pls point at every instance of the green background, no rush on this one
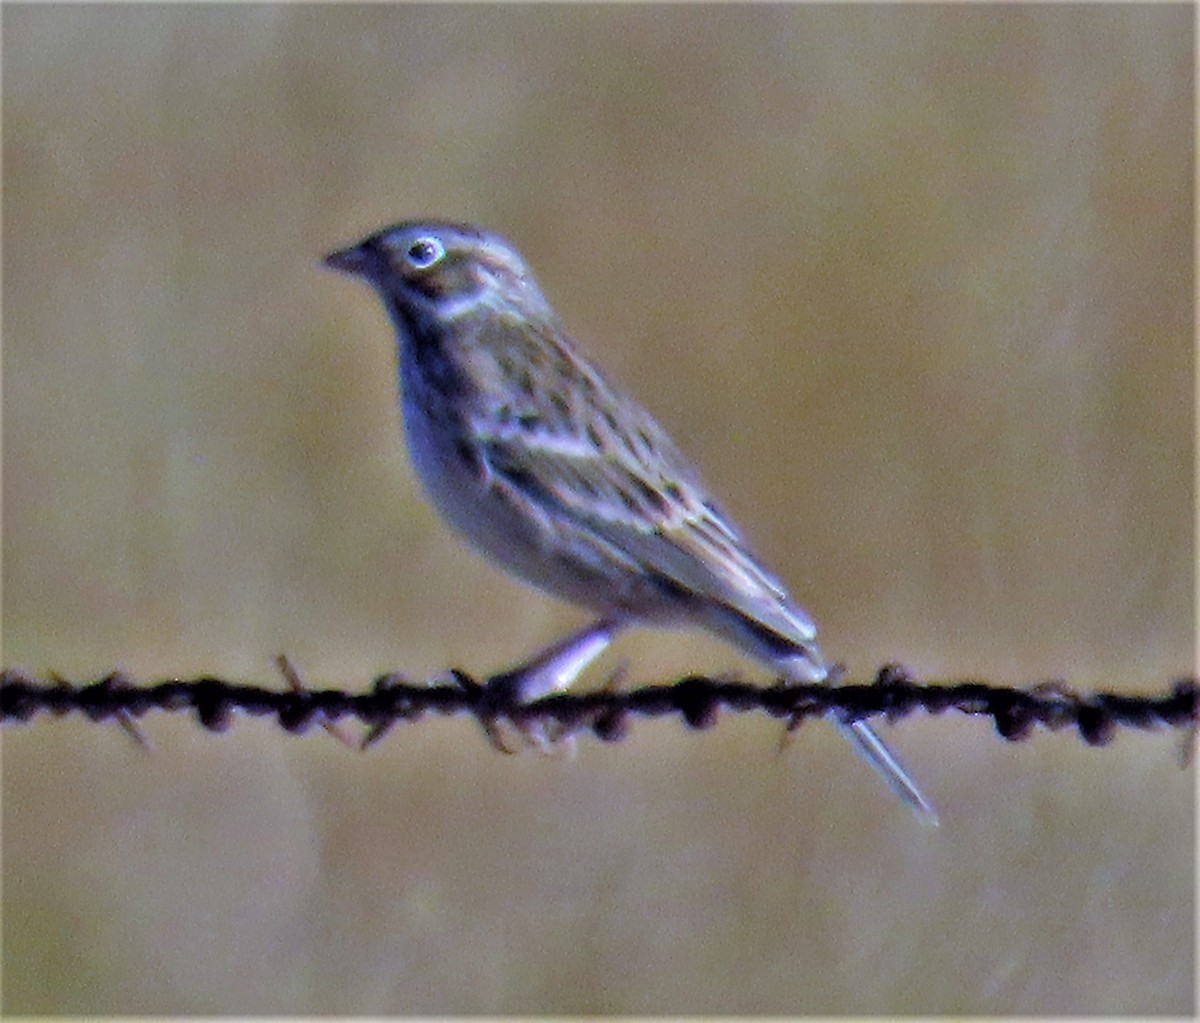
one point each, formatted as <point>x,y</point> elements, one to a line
<point>912,285</point>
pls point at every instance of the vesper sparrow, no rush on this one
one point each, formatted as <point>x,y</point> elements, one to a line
<point>561,477</point>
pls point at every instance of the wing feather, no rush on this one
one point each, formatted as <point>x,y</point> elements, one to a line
<point>606,477</point>
<point>650,511</point>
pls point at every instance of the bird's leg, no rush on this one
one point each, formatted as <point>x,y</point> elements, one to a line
<point>558,666</point>
<point>554,669</point>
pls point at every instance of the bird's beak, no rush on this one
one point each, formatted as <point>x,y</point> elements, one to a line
<point>354,260</point>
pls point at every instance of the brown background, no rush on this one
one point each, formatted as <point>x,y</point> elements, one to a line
<point>913,285</point>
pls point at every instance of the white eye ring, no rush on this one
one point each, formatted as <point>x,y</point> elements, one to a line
<point>424,252</point>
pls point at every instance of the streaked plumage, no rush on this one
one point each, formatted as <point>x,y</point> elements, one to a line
<point>557,474</point>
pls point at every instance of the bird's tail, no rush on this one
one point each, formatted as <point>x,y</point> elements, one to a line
<point>876,753</point>
<point>810,667</point>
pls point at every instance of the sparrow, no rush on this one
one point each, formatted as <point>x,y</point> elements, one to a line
<point>561,477</point>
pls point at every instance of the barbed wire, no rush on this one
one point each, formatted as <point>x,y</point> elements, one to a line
<point>392,700</point>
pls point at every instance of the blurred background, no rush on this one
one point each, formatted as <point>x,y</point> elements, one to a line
<point>913,285</point>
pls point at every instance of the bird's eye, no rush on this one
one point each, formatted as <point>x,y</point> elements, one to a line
<point>424,252</point>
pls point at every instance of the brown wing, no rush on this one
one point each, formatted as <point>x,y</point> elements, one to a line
<point>603,472</point>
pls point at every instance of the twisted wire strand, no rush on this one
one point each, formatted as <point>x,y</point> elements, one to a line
<point>392,700</point>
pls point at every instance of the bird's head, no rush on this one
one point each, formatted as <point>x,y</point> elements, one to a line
<point>443,268</point>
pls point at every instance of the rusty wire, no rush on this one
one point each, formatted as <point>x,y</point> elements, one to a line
<point>698,701</point>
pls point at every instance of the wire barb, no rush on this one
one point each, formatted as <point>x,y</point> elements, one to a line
<point>292,677</point>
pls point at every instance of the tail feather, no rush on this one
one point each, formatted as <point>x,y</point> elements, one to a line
<point>875,752</point>
<point>808,666</point>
